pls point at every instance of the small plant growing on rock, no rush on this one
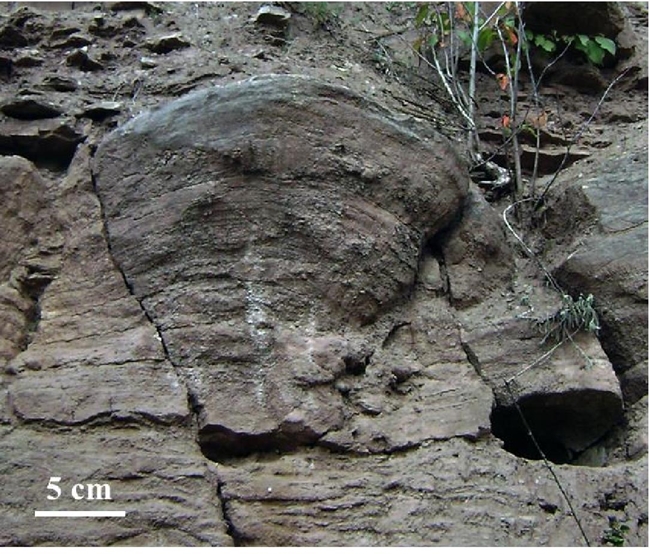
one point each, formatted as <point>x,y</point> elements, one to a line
<point>496,39</point>
<point>573,316</point>
<point>615,535</point>
<point>323,14</point>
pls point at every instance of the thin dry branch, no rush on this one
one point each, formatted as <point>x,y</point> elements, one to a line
<point>528,251</point>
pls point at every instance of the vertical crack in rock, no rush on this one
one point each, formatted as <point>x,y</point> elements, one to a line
<point>191,400</point>
<point>474,361</point>
<point>231,530</point>
<point>444,274</point>
<point>472,358</point>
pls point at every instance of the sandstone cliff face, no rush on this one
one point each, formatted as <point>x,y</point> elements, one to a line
<point>277,313</point>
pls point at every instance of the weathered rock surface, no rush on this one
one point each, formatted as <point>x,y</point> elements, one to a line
<point>443,494</point>
<point>22,198</point>
<point>156,476</point>
<point>60,84</point>
<point>101,110</point>
<point>167,43</point>
<point>612,261</point>
<point>30,108</point>
<point>93,395</point>
<point>334,359</point>
<point>272,15</point>
<point>477,258</point>
<point>21,28</point>
<point>50,143</point>
<point>84,61</point>
<point>314,244</point>
<point>30,252</point>
<point>570,396</point>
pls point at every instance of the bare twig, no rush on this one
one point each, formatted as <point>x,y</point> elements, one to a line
<point>513,85</point>
<point>538,361</point>
<point>537,82</point>
<point>530,253</point>
<point>472,76</point>
<point>488,19</point>
<point>462,110</point>
<point>380,36</point>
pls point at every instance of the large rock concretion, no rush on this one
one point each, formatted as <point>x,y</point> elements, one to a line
<point>258,220</point>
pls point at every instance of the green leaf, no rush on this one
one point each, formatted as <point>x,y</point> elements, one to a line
<point>580,48</point>
<point>530,35</point>
<point>549,46</point>
<point>445,22</point>
<point>595,53</point>
<point>606,44</point>
<point>485,39</point>
<point>470,7</point>
<point>509,22</point>
<point>545,43</point>
<point>583,40</point>
<point>422,14</point>
<point>464,36</point>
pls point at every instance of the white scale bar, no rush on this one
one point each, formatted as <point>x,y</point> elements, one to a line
<point>100,513</point>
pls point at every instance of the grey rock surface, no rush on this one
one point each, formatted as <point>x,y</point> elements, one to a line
<point>274,313</point>
<point>478,259</point>
<point>449,493</point>
<point>91,396</point>
<point>611,262</point>
<point>30,108</point>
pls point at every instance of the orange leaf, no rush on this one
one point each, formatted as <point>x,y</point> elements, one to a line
<point>505,121</point>
<point>503,81</point>
<point>461,12</point>
<point>512,36</point>
<point>539,121</point>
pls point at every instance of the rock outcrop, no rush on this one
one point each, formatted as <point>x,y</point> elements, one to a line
<point>448,493</point>
<point>291,231</point>
<point>91,397</point>
<point>611,260</point>
<point>274,312</point>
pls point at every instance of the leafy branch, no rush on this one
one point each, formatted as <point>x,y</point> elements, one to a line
<point>594,48</point>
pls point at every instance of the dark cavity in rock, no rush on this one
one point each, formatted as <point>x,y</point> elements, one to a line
<point>563,425</point>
